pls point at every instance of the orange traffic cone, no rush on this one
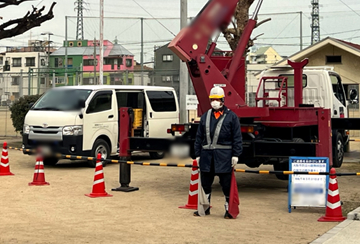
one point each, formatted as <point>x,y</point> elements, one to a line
<point>333,211</point>
<point>194,188</point>
<point>98,189</point>
<point>39,175</point>
<point>4,165</point>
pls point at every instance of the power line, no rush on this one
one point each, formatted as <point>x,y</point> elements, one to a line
<point>155,18</point>
<point>350,8</point>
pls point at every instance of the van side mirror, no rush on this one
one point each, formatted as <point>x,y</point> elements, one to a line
<point>353,96</point>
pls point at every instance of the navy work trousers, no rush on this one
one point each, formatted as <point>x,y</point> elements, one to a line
<point>207,179</point>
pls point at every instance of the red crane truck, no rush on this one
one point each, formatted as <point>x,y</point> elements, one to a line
<point>271,134</point>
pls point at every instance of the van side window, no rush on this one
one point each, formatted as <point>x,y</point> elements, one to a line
<point>162,101</point>
<point>130,99</point>
<point>99,103</point>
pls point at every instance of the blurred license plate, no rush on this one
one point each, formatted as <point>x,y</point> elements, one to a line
<point>180,150</point>
<point>45,150</point>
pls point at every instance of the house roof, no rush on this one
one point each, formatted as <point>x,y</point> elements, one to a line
<point>344,45</point>
<point>117,50</point>
<point>261,51</point>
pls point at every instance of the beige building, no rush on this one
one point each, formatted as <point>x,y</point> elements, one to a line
<point>264,55</point>
<point>343,56</point>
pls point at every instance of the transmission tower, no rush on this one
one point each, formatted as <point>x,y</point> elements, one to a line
<point>315,22</point>
<point>79,7</point>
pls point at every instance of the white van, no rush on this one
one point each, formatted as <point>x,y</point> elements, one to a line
<point>83,120</point>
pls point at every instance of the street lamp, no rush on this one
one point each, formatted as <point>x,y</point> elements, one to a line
<point>48,66</point>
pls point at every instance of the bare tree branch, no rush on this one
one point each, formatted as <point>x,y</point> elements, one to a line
<point>241,16</point>
<point>262,22</point>
<point>11,2</point>
<point>29,21</point>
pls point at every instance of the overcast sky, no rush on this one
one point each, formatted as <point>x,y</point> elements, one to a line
<point>339,19</point>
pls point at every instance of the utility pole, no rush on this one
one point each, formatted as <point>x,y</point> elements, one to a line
<point>183,75</point>
<point>48,60</point>
<point>315,22</point>
<point>101,80</point>
<point>95,82</point>
<point>66,47</point>
<point>301,33</point>
<point>142,51</point>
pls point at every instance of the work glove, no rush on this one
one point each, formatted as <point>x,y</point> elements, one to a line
<point>198,160</point>
<point>234,161</point>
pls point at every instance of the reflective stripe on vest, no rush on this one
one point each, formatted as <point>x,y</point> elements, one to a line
<point>214,145</point>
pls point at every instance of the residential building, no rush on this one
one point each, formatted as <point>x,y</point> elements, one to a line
<point>166,68</point>
<point>343,56</point>
<point>147,74</point>
<point>17,65</point>
<point>83,64</point>
<point>264,55</point>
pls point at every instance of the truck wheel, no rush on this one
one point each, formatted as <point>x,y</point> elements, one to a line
<point>338,151</point>
<point>282,165</point>
<point>157,155</point>
<point>102,147</point>
<point>50,161</point>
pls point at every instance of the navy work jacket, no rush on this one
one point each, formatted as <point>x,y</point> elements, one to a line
<point>230,134</point>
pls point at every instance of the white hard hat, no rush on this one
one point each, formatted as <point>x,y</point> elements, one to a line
<point>217,92</point>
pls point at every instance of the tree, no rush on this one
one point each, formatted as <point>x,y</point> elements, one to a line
<point>30,20</point>
<point>19,109</point>
<point>241,16</point>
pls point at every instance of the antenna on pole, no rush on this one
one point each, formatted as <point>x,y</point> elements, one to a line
<point>79,7</point>
<point>315,22</point>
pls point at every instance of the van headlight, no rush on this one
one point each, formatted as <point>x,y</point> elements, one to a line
<point>74,130</point>
<point>26,129</point>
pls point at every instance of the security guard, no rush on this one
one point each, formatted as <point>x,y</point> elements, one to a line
<point>218,145</point>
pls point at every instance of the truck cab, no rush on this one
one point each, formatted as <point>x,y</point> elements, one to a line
<point>322,87</point>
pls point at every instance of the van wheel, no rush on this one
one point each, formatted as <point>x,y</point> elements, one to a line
<point>102,147</point>
<point>50,161</point>
<point>338,151</point>
<point>157,155</point>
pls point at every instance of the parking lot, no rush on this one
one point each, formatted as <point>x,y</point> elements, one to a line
<point>60,213</point>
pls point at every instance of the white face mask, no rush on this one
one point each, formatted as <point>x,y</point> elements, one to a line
<point>216,105</point>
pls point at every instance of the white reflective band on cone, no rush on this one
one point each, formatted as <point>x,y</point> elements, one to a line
<point>193,182</point>
<point>193,193</point>
<point>333,205</point>
<point>99,172</point>
<point>39,171</point>
<point>332,181</point>
<point>98,181</point>
<point>333,193</point>
<point>4,165</point>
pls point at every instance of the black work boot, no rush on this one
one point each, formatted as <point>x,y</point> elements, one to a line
<point>207,211</point>
<point>227,215</point>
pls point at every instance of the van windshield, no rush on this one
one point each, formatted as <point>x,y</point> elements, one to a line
<point>61,99</point>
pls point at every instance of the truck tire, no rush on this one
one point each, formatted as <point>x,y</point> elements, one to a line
<point>282,165</point>
<point>338,151</point>
<point>157,155</point>
<point>100,146</point>
<point>50,161</point>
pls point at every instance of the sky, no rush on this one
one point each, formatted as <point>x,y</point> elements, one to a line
<point>338,18</point>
